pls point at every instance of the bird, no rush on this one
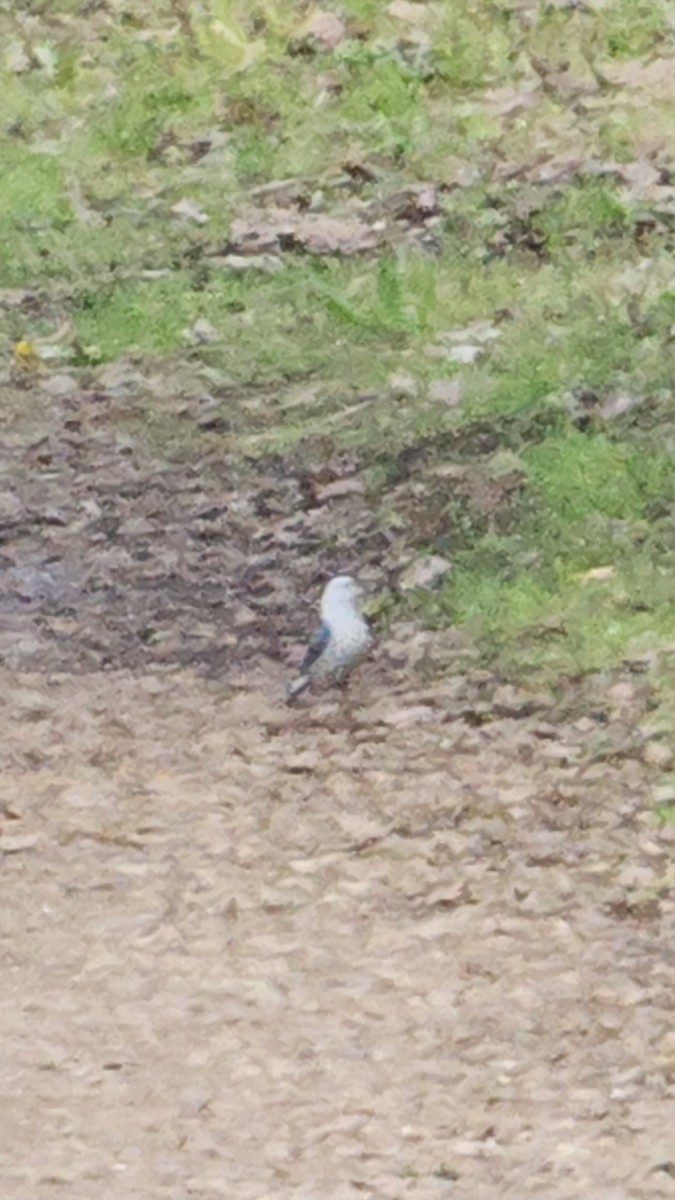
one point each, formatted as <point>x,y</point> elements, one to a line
<point>343,637</point>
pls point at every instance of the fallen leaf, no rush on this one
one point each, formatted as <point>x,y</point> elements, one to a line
<point>405,10</point>
<point>16,297</point>
<point>269,264</point>
<point>285,229</point>
<point>339,488</point>
<point>409,715</point>
<point>190,211</point>
<point>425,573</point>
<point>322,29</point>
<point>27,358</point>
<point>657,754</point>
<point>655,77</point>
<point>59,385</point>
<point>17,843</point>
<point>304,763</point>
<point>597,575</point>
<point>202,333</point>
<point>464,354</point>
<point>447,391</point>
<point>506,100</point>
<point>618,404</point>
<point>403,386</point>
<point>16,59</point>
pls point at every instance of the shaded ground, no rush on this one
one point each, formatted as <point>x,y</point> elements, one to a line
<point>266,954</point>
<point>113,556</point>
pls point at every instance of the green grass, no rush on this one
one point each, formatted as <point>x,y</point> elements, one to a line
<point>510,116</point>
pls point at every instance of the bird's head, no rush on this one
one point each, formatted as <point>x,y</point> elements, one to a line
<point>341,592</point>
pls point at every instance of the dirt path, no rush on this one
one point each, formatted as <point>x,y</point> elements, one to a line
<point>258,954</point>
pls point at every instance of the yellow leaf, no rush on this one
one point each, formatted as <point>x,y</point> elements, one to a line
<point>26,356</point>
<point>224,39</point>
<point>597,575</point>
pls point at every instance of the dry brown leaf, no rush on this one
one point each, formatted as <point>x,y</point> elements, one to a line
<point>447,391</point>
<point>17,843</point>
<point>597,575</point>
<point>339,488</point>
<point>279,229</point>
<point>425,572</point>
<point>405,10</point>
<point>402,385</point>
<point>189,210</point>
<point>323,29</point>
<point>16,297</point>
<point>654,77</point>
<point>617,404</point>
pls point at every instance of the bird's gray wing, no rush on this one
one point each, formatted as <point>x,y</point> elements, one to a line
<point>315,648</point>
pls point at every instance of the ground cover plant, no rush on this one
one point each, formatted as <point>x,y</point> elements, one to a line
<point>463,213</point>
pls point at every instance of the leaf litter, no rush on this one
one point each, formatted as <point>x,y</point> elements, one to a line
<point>417,931</point>
<point>412,939</point>
<point>423,938</point>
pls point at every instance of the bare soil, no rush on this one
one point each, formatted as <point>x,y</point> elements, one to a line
<point>417,941</point>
